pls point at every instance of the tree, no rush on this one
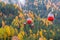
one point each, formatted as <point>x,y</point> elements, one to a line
<point>9,12</point>
<point>9,9</point>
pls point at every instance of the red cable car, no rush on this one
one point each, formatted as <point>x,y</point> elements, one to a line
<point>29,21</point>
<point>50,17</point>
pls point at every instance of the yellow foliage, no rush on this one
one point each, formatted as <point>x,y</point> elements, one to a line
<point>38,18</point>
<point>20,35</point>
<point>15,5</point>
<point>37,34</point>
<point>34,36</point>
<point>42,38</point>
<point>41,33</point>
<point>16,31</point>
<point>22,27</point>
<point>31,15</point>
<point>30,31</point>
<point>44,30</point>
<point>45,38</point>
<point>12,31</point>
<point>20,9</point>
<point>22,21</point>
<point>15,21</point>
<point>52,32</point>
<point>5,36</point>
<point>3,4</point>
<point>3,23</point>
<point>58,30</point>
<point>48,6</point>
<point>7,29</point>
<point>21,15</point>
<point>46,22</point>
<point>2,32</point>
<point>31,35</point>
<point>50,39</point>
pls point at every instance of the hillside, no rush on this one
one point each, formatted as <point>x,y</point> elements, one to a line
<point>30,21</point>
